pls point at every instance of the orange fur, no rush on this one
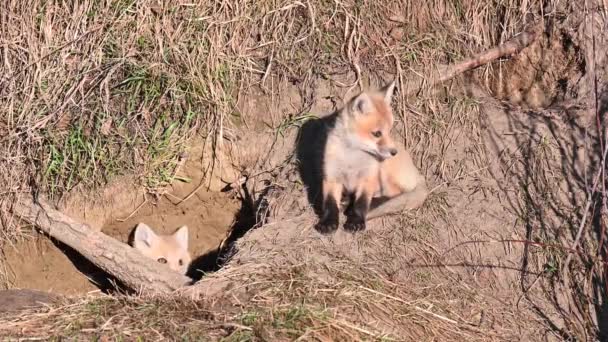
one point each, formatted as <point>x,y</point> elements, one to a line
<point>362,160</point>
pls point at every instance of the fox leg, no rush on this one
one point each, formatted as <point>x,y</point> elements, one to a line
<point>405,200</point>
<point>330,211</point>
<point>359,207</point>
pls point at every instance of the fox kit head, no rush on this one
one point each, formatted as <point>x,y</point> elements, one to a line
<point>369,119</point>
<point>171,250</point>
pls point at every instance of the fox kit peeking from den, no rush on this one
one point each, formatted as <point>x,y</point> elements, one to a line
<point>363,162</point>
<point>170,250</point>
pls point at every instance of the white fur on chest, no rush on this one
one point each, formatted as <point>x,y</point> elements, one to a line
<point>349,166</point>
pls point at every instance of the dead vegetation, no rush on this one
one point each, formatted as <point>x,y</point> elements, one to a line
<point>97,89</point>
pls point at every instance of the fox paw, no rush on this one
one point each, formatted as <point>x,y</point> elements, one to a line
<point>354,224</point>
<point>326,227</point>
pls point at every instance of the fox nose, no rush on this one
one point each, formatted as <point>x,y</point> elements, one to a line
<point>393,151</point>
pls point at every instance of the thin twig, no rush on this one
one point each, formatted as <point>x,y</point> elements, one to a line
<point>61,47</point>
<point>136,209</point>
<point>443,318</point>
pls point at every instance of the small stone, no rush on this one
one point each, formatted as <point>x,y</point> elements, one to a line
<point>397,33</point>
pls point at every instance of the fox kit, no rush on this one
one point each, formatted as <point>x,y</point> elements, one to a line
<point>362,161</point>
<point>171,250</point>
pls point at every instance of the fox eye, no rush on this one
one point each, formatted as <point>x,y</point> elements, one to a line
<point>377,134</point>
<point>180,262</point>
<point>162,260</point>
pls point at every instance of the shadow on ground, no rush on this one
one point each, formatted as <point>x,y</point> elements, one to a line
<point>541,156</point>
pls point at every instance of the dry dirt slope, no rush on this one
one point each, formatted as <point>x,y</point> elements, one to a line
<point>405,277</point>
<point>444,272</point>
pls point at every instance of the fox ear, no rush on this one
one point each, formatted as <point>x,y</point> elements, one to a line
<point>144,236</point>
<point>362,104</point>
<point>181,236</point>
<point>388,91</point>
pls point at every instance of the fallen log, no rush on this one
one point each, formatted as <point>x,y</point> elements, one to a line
<point>124,262</point>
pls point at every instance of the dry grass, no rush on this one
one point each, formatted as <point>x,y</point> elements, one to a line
<point>102,88</point>
<point>355,303</point>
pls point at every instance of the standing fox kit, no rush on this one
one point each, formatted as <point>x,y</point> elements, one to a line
<point>171,250</point>
<point>362,161</point>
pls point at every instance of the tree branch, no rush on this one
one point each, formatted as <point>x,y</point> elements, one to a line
<point>133,269</point>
